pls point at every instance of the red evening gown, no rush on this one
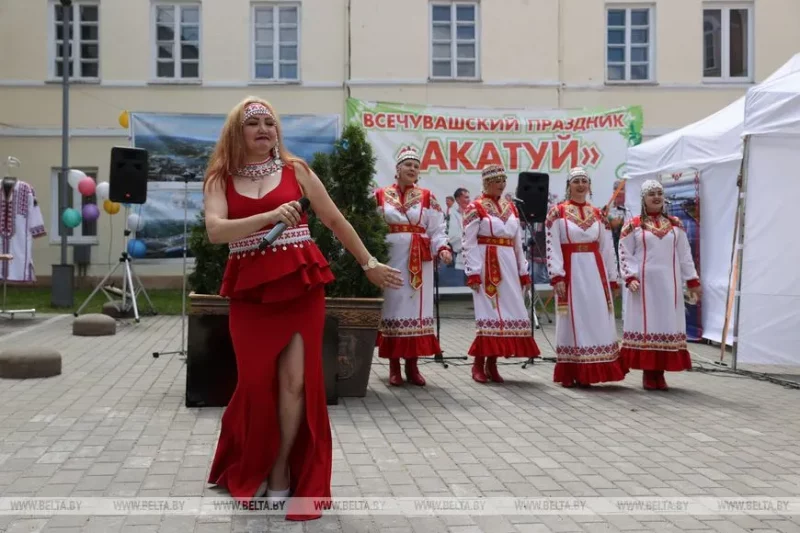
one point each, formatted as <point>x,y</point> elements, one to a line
<point>274,294</point>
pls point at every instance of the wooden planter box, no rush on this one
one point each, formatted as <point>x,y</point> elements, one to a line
<point>351,327</point>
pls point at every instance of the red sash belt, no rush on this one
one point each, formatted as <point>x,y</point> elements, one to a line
<point>419,252</point>
<point>491,267</point>
<point>585,247</point>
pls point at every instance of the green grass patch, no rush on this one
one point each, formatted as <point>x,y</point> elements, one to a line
<point>165,301</point>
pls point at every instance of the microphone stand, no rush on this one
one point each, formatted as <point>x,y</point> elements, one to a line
<point>439,357</point>
<point>182,352</point>
<point>534,294</point>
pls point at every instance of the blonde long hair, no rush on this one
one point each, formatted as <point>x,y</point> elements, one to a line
<point>229,152</point>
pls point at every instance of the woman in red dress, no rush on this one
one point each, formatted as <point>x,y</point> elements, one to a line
<point>276,437</point>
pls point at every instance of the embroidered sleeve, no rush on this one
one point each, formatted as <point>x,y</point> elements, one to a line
<point>435,204</point>
<point>627,229</point>
<point>436,227</point>
<point>607,251</point>
<point>470,214</point>
<point>688,269</point>
<point>552,216</point>
<point>555,258</point>
<point>469,243</point>
<point>522,261</point>
<point>628,263</point>
<point>35,219</point>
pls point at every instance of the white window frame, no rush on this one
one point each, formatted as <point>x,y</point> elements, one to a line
<point>651,44</point>
<point>454,42</point>
<point>176,53</point>
<point>725,42</point>
<point>276,42</point>
<point>77,236</point>
<point>75,41</point>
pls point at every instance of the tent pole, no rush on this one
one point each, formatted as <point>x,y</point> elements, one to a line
<point>740,248</point>
<point>733,276</point>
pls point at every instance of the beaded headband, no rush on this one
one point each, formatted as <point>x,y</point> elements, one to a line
<point>493,172</point>
<point>408,152</point>
<point>255,109</point>
<point>578,172</point>
<point>651,185</point>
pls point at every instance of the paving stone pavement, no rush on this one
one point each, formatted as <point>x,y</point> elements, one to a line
<point>114,424</point>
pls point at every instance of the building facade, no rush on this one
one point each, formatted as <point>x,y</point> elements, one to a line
<point>679,59</point>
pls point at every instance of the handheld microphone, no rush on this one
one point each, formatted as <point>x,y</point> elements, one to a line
<point>280,227</point>
<point>668,202</point>
<point>514,198</point>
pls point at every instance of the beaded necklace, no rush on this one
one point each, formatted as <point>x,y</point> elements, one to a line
<point>257,171</point>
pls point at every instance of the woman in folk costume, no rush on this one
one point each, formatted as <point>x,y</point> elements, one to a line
<point>416,232</point>
<point>583,271</point>
<point>655,259</point>
<point>497,273</point>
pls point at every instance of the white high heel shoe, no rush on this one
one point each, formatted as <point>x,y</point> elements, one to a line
<point>277,499</point>
<point>262,490</point>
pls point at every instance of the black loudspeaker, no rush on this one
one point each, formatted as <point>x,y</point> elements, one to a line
<point>127,178</point>
<point>533,188</point>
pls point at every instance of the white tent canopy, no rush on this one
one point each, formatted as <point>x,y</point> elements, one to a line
<point>774,107</point>
<point>712,140</point>
<point>769,315</point>
<point>712,148</point>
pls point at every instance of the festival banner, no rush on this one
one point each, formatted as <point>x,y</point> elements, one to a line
<point>456,143</point>
<point>181,143</point>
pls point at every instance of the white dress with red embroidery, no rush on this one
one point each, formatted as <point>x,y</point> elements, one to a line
<point>493,257</point>
<point>656,252</point>
<point>417,232</point>
<point>20,222</point>
<point>580,252</point>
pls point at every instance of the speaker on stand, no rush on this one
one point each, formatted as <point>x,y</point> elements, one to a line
<point>533,191</point>
<point>127,178</point>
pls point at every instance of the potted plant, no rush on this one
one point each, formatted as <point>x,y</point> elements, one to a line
<point>210,360</point>
<point>348,175</point>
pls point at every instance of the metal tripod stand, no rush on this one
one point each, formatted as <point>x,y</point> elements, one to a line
<point>439,357</point>
<point>129,289</point>
<point>182,352</point>
<point>534,294</point>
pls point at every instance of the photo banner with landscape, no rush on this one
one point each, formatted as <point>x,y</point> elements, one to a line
<point>456,143</point>
<point>180,143</point>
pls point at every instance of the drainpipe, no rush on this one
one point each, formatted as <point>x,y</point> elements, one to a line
<point>560,22</point>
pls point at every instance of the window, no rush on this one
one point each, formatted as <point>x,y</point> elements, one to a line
<point>84,37</point>
<point>727,41</point>
<point>177,41</point>
<point>454,40</point>
<point>629,44</point>
<point>86,232</point>
<point>276,42</point>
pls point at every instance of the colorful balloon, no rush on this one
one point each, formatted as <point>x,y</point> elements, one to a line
<point>102,191</point>
<point>71,217</point>
<point>90,212</point>
<point>135,222</point>
<point>87,186</point>
<point>74,177</point>
<point>112,208</point>
<point>136,248</point>
<point>123,119</point>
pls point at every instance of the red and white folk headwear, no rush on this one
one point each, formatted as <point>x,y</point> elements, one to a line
<point>648,187</point>
<point>406,153</point>
<point>578,172</point>
<point>575,173</point>
<point>254,109</point>
<point>492,173</point>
